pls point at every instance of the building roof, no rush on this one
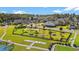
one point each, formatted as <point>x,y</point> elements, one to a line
<point>72,27</point>
<point>49,23</point>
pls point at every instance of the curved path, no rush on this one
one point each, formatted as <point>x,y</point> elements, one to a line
<point>53,48</point>
<point>73,39</point>
<point>30,46</point>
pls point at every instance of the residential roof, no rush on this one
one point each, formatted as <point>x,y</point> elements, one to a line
<point>49,23</point>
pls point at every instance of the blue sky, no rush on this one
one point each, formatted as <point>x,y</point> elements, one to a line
<point>39,10</point>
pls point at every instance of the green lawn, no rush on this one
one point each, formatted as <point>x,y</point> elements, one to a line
<point>1,31</point>
<point>44,32</point>
<point>77,40</point>
<point>64,48</point>
<point>20,39</point>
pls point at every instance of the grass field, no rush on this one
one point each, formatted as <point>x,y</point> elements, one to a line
<point>77,39</point>
<point>64,48</point>
<point>42,32</point>
<point>1,31</point>
<point>20,39</point>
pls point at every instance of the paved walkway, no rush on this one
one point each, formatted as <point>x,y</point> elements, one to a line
<point>28,46</point>
<point>3,35</point>
<point>31,45</point>
<point>5,27</point>
<point>57,29</point>
<point>53,48</point>
<point>34,42</point>
<point>25,45</point>
<point>73,39</point>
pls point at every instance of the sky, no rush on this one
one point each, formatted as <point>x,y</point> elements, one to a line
<point>39,10</point>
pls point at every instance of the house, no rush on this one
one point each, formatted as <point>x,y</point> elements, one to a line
<point>24,21</point>
<point>45,20</point>
<point>61,21</point>
<point>53,23</point>
<point>18,21</point>
<point>78,22</point>
<point>49,24</point>
<point>72,27</point>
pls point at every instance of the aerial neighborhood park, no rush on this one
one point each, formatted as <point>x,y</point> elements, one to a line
<point>39,32</point>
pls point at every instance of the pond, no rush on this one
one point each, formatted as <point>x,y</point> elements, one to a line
<point>5,48</point>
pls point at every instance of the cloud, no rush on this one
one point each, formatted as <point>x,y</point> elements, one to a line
<point>57,11</point>
<point>3,12</point>
<point>69,8</point>
<point>77,8</point>
<point>19,12</point>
